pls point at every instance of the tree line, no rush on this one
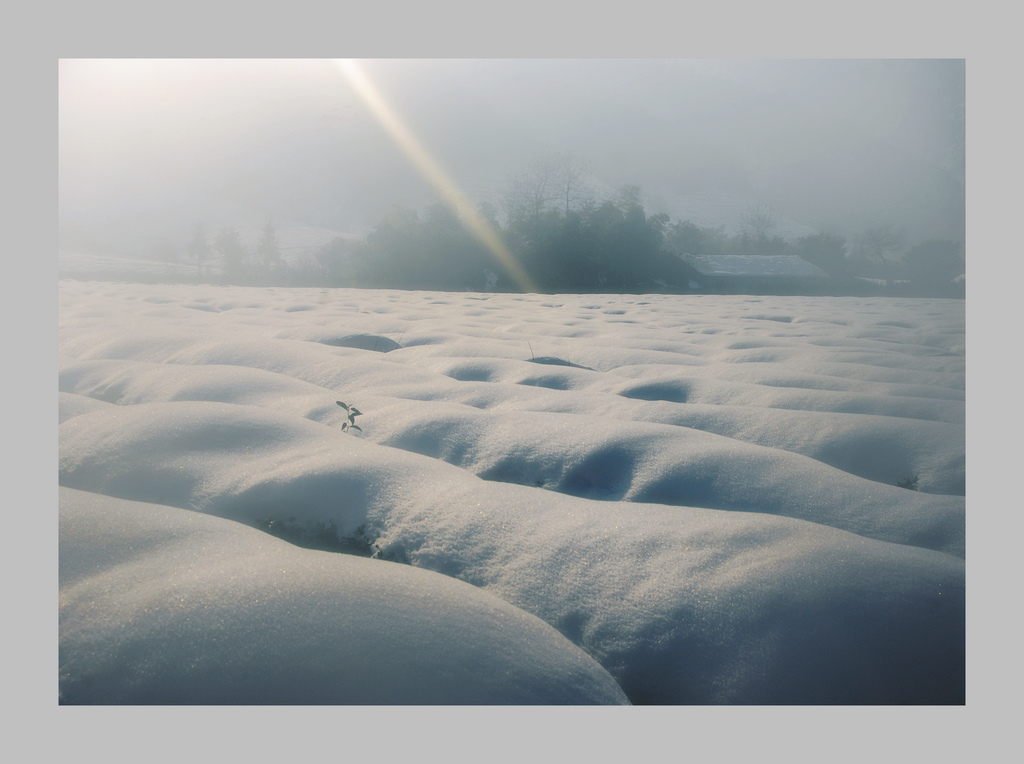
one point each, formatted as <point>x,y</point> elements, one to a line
<point>568,240</point>
<point>227,257</point>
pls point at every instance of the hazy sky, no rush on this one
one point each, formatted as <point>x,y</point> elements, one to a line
<point>842,145</point>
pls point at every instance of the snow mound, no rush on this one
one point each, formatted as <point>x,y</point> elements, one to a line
<point>364,342</point>
<point>680,604</point>
<point>704,498</point>
<point>167,606</point>
<point>240,461</point>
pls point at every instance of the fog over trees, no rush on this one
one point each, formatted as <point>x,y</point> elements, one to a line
<point>595,173</point>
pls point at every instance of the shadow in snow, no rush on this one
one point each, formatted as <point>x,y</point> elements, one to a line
<point>375,342</point>
<point>672,392</point>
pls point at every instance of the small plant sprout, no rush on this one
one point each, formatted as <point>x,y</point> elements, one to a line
<point>353,412</point>
<point>910,482</point>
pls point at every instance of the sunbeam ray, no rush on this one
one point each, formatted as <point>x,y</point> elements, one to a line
<point>434,173</point>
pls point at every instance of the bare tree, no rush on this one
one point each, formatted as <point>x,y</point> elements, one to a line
<point>512,195</point>
<point>876,242</point>
<point>552,179</point>
<point>529,190</point>
<point>759,221</point>
<point>570,178</point>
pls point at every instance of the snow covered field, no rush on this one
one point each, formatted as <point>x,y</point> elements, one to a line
<point>553,498</point>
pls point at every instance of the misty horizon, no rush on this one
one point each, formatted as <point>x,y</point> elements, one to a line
<point>148,148</point>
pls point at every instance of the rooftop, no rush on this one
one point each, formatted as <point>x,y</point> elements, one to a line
<point>754,265</point>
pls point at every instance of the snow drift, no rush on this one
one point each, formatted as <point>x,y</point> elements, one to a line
<point>163,605</point>
<point>699,494</point>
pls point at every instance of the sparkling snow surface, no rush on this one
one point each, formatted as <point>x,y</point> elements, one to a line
<point>691,498</point>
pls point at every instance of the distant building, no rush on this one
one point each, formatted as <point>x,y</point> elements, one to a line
<point>756,274</point>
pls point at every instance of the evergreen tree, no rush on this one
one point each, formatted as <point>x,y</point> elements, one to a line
<point>684,238</point>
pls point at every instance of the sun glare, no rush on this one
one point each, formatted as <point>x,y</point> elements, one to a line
<point>434,174</point>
